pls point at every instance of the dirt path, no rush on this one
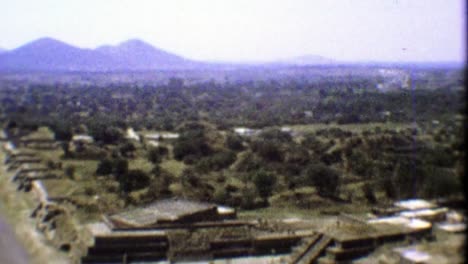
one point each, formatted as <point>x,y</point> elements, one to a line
<point>11,251</point>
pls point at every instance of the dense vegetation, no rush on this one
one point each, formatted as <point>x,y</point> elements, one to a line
<point>408,142</point>
<point>351,99</point>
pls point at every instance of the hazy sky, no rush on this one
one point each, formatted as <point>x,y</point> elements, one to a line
<point>378,30</point>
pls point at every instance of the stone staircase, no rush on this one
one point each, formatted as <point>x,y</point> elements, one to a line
<point>313,248</point>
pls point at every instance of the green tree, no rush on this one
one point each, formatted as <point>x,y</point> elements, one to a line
<point>264,183</point>
<point>440,182</point>
<point>133,180</point>
<point>217,161</point>
<point>369,193</point>
<point>268,150</point>
<point>120,167</point>
<point>105,133</point>
<point>155,155</point>
<point>234,142</point>
<point>326,180</point>
<point>248,200</point>
<point>62,131</point>
<point>105,167</point>
<point>193,144</point>
<point>127,148</point>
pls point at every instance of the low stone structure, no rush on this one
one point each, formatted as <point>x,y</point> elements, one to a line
<point>109,246</point>
<point>19,161</point>
<point>15,154</point>
<point>170,211</point>
<point>243,131</point>
<point>161,135</point>
<point>85,139</point>
<point>38,143</point>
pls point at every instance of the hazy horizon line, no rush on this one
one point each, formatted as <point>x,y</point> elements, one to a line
<point>277,60</point>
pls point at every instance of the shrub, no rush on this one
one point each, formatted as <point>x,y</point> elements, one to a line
<point>216,162</point>
<point>234,142</point>
<point>105,167</point>
<point>133,180</point>
<point>120,166</point>
<point>326,180</point>
<point>126,148</point>
<point>155,155</point>
<point>264,183</point>
<point>268,150</point>
<point>440,182</point>
<point>221,196</point>
<point>191,144</point>
<point>369,193</point>
<point>248,199</point>
<point>70,171</point>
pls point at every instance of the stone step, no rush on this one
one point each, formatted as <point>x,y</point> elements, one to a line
<point>299,251</point>
<point>315,251</point>
<point>122,258</point>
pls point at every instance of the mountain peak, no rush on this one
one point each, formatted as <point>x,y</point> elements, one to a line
<point>46,41</point>
<point>135,41</point>
<point>135,45</point>
<point>141,55</point>
<point>51,47</point>
<point>48,54</point>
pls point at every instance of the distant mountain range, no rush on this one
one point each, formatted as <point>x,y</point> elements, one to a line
<point>47,54</point>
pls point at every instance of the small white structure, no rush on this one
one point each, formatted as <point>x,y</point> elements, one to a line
<point>412,255</point>
<point>414,204</point>
<point>162,135</point>
<point>452,228</point>
<point>393,220</point>
<point>418,224</point>
<point>9,147</point>
<point>132,135</point>
<point>243,131</point>
<point>308,113</point>
<point>402,221</point>
<point>385,113</point>
<point>83,138</point>
<point>426,214</point>
<point>226,212</point>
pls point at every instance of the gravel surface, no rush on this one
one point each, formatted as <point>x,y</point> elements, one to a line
<point>11,251</point>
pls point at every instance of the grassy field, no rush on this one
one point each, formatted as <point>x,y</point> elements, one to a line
<point>140,163</point>
<point>283,212</point>
<point>173,166</point>
<point>84,169</point>
<point>355,128</point>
